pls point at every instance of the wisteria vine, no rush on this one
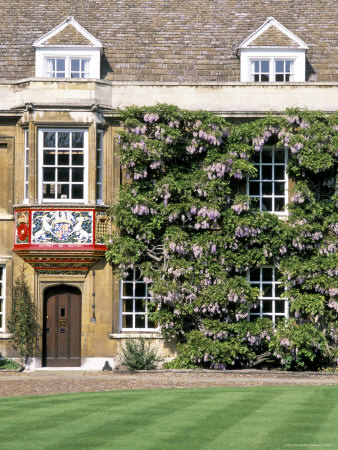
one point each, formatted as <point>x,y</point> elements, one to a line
<point>184,217</point>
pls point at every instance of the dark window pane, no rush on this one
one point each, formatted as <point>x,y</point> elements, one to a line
<point>77,191</point>
<point>49,139</point>
<point>267,307</point>
<point>267,290</point>
<point>256,78</point>
<point>254,188</point>
<point>77,174</point>
<point>287,77</point>
<point>279,290</point>
<point>127,321</point>
<point>279,204</point>
<point>127,289</point>
<point>63,191</point>
<point>279,66</point>
<point>279,188</point>
<point>140,290</point>
<point>63,139</point>
<point>137,274</point>
<point>48,191</point>
<point>77,139</point>
<point>151,324</point>
<point>279,77</point>
<point>279,156</point>
<point>267,156</point>
<point>266,204</point>
<point>267,188</point>
<point>48,174</point>
<point>266,173</point>
<point>267,273</point>
<point>128,305</point>
<point>254,275</point>
<point>60,65</point>
<point>264,77</point>
<point>265,66</point>
<point>280,306</point>
<point>140,322</point>
<point>258,168</point>
<point>256,157</point>
<point>279,172</point>
<point>140,306</point>
<point>255,310</point>
<point>75,65</point>
<point>63,174</point>
<point>129,277</point>
<point>77,158</point>
<point>63,158</point>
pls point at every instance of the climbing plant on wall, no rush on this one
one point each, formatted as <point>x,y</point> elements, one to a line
<point>184,217</point>
<point>22,323</point>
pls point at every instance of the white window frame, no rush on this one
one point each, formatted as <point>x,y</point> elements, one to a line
<point>99,167</point>
<point>273,298</point>
<point>3,298</point>
<point>43,54</point>
<point>91,51</point>
<point>134,298</point>
<point>272,70</point>
<point>68,71</point>
<point>85,166</point>
<point>26,167</point>
<point>297,56</point>
<point>259,180</point>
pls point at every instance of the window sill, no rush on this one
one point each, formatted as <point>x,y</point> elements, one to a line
<point>5,336</point>
<point>136,335</point>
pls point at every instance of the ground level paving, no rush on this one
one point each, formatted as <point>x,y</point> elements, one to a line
<point>42,382</point>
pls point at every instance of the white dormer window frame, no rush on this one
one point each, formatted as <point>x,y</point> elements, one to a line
<point>273,55</point>
<point>59,61</point>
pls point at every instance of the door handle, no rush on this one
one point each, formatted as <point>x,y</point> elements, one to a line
<point>47,329</point>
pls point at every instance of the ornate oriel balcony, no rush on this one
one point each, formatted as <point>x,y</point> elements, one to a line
<point>60,240</point>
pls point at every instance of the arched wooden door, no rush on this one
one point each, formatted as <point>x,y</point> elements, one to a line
<point>62,327</point>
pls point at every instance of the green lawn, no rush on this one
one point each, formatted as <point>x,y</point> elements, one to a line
<point>213,418</point>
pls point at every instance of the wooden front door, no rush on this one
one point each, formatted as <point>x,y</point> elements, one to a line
<point>62,327</point>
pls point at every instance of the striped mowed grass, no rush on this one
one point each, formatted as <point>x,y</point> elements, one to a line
<point>271,417</point>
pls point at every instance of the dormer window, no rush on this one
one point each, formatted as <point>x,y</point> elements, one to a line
<point>272,54</point>
<point>67,67</point>
<point>68,51</point>
<point>273,69</point>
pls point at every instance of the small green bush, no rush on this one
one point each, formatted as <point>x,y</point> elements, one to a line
<point>9,364</point>
<point>137,355</point>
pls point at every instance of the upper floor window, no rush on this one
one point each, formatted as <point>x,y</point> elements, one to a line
<point>63,165</point>
<point>134,301</point>
<point>67,67</point>
<point>272,54</point>
<point>271,70</point>
<point>99,167</point>
<point>2,296</point>
<point>270,304</point>
<point>68,51</point>
<point>26,167</point>
<point>270,187</point>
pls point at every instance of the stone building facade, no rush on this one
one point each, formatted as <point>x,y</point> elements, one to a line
<point>66,69</point>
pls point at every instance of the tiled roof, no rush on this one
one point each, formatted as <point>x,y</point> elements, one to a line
<point>68,36</point>
<point>168,40</point>
<point>273,38</point>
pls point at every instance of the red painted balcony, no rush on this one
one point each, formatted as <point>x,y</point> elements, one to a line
<point>59,239</point>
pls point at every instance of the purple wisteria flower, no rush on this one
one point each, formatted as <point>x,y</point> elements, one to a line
<point>151,118</point>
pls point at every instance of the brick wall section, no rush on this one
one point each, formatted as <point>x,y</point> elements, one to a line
<point>168,40</point>
<point>69,35</point>
<point>272,37</point>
